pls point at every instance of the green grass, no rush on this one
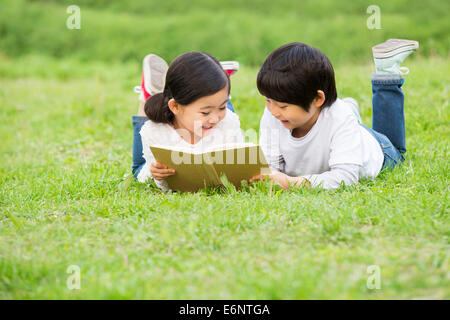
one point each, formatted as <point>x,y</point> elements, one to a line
<point>65,199</point>
<point>229,29</point>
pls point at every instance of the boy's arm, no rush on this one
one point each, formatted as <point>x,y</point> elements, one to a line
<point>342,173</point>
<point>345,154</point>
<point>347,174</point>
<point>345,159</point>
<point>269,141</point>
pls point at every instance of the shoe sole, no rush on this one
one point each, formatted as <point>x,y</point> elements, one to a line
<point>230,65</point>
<point>155,69</point>
<point>392,47</point>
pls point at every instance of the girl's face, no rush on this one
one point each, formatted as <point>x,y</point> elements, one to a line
<point>202,115</point>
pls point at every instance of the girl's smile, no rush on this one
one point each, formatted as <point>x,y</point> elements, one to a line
<point>199,117</point>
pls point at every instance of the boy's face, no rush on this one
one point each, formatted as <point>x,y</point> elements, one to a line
<point>292,116</point>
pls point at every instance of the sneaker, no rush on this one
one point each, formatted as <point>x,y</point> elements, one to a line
<point>392,47</point>
<point>390,54</point>
<point>154,74</point>
<point>354,106</point>
<point>231,67</point>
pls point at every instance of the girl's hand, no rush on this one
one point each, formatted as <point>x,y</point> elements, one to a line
<point>160,171</point>
<point>283,180</point>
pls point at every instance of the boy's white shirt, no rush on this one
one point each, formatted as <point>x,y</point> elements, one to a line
<point>227,131</point>
<point>337,148</point>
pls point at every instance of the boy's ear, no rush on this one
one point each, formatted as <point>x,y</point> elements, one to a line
<point>319,99</point>
<point>173,106</point>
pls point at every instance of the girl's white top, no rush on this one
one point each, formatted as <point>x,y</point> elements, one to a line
<point>227,131</point>
<point>336,150</point>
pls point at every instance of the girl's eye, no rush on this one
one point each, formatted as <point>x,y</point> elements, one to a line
<point>205,113</point>
<point>223,108</point>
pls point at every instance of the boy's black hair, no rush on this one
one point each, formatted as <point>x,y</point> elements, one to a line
<point>294,72</point>
<point>191,76</point>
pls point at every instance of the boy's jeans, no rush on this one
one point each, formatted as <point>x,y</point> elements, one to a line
<point>138,159</point>
<point>388,120</point>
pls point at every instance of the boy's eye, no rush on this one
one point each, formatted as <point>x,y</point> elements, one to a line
<point>223,108</point>
<point>205,113</point>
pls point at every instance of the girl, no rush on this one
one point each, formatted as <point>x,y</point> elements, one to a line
<point>188,110</point>
<point>311,137</point>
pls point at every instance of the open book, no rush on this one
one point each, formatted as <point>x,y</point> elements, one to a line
<point>194,171</point>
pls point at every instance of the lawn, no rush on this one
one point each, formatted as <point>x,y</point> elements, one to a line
<point>67,197</point>
<point>66,200</point>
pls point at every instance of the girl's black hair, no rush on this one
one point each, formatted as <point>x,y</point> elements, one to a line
<point>191,76</point>
<point>294,72</point>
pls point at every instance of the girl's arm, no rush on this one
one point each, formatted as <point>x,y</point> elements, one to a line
<point>232,130</point>
<point>145,173</point>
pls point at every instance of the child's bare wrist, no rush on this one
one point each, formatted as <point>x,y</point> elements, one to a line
<point>299,182</point>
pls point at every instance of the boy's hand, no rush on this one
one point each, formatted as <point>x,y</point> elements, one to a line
<point>160,171</point>
<point>283,180</point>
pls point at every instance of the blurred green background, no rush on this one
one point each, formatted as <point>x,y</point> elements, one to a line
<point>229,29</point>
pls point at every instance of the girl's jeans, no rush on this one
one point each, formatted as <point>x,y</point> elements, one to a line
<point>388,120</point>
<point>138,159</point>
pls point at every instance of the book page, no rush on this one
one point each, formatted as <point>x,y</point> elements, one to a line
<point>195,171</point>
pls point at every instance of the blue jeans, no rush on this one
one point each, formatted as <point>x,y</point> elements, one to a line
<point>388,119</point>
<point>138,159</point>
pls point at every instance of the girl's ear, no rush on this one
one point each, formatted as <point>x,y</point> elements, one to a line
<point>319,99</point>
<point>173,106</point>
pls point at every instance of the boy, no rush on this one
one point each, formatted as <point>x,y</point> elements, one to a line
<point>310,136</point>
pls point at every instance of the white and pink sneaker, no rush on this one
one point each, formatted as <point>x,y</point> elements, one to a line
<point>154,75</point>
<point>231,67</point>
<point>154,71</point>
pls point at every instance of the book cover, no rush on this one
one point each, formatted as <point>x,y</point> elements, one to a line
<point>195,170</point>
